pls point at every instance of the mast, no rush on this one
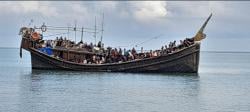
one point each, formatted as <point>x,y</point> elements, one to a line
<point>68,31</point>
<point>95,31</point>
<point>200,35</point>
<point>43,28</point>
<point>82,35</point>
<point>102,28</point>
<point>75,31</point>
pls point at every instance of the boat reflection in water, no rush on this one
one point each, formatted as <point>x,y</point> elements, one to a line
<point>44,90</point>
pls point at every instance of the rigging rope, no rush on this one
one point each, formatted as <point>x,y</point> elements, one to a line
<point>72,28</point>
<point>137,44</point>
<point>54,34</point>
<point>156,37</point>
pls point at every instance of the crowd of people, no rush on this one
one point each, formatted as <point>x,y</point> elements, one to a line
<point>98,54</point>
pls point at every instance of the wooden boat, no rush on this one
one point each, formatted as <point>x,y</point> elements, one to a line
<point>182,60</point>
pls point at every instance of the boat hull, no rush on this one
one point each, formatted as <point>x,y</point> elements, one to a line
<point>183,61</point>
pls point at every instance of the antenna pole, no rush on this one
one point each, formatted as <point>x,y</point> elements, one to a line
<point>102,28</point>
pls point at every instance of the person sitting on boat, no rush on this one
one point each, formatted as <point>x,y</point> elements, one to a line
<point>166,49</point>
<point>180,46</point>
<point>64,43</point>
<point>126,55</point>
<point>123,58</point>
<point>150,53</point>
<point>85,61</point>
<point>120,51</point>
<point>59,41</point>
<point>48,43</point>
<point>108,56</point>
<point>80,44</point>
<point>112,56</point>
<point>174,46</point>
<point>120,56</point>
<point>124,51</point>
<point>170,45</point>
<point>130,56</point>
<point>174,43</point>
<point>102,59</point>
<point>69,44</point>
<point>154,54</point>
<point>98,59</point>
<point>94,59</point>
<point>117,58</point>
<point>162,50</point>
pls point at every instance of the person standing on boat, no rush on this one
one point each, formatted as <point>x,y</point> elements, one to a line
<point>134,53</point>
<point>99,44</point>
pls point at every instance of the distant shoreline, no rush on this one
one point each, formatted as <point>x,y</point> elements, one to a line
<point>146,50</point>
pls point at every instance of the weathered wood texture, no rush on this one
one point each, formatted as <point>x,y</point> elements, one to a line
<point>183,61</point>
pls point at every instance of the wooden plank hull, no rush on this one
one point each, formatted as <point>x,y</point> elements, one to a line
<point>183,61</point>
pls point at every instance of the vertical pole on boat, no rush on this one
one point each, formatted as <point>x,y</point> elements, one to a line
<point>68,31</point>
<point>95,30</point>
<point>43,28</point>
<point>102,28</point>
<point>75,31</point>
<point>82,35</point>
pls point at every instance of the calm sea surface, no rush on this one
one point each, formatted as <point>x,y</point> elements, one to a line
<point>222,85</point>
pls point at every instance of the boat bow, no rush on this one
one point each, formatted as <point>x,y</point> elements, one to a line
<point>200,35</point>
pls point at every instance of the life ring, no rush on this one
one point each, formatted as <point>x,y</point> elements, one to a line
<point>35,36</point>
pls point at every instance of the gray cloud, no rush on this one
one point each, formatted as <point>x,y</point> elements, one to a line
<point>130,22</point>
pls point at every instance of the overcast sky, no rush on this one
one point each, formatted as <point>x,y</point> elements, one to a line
<point>128,23</point>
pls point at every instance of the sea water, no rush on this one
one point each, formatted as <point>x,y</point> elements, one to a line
<point>222,85</point>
